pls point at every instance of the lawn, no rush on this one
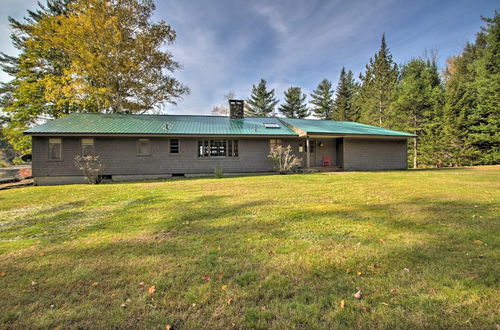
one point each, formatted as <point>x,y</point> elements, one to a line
<point>256,252</point>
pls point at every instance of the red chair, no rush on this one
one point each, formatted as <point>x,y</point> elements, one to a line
<point>326,161</point>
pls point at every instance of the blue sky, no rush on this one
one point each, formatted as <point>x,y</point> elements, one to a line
<point>229,45</point>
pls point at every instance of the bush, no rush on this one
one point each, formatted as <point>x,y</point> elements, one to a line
<point>91,168</point>
<point>3,163</point>
<point>282,159</point>
<point>218,173</point>
<point>18,161</point>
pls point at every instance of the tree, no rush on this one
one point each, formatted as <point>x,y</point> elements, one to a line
<point>484,121</point>
<point>261,102</point>
<point>345,107</point>
<point>103,55</point>
<point>418,108</point>
<point>378,86</point>
<point>22,98</point>
<point>322,100</point>
<point>295,105</point>
<point>223,109</point>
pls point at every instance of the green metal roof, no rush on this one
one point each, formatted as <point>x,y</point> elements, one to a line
<point>315,126</point>
<point>92,123</point>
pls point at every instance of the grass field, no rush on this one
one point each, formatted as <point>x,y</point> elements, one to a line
<point>256,252</point>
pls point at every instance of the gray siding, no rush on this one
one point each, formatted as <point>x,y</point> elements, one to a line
<point>374,154</point>
<point>119,156</point>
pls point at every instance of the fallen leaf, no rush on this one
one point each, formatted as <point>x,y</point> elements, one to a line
<point>123,305</point>
<point>221,275</point>
<point>33,283</point>
<point>206,278</point>
<point>384,303</point>
<point>263,308</point>
<point>360,273</point>
<point>42,254</point>
<point>342,303</point>
<point>358,294</point>
<point>152,289</point>
<point>382,241</point>
<point>478,241</point>
<point>168,327</point>
<point>229,301</point>
<point>406,270</point>
<point>141,283</point>
<point>2,274</point>
<point>224,287</point>
<point>113,294</point>
<point>95,284</point>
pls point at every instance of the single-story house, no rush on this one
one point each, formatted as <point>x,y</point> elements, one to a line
<point>133,147</point>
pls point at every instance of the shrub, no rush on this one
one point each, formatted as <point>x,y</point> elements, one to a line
<point>283,160</point>
<point>91,168</point>
<point>218,173</point>
<point>18,161</point>
<point>3,163</point>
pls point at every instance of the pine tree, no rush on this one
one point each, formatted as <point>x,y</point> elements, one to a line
<point>345,108</point>
<point>484,121</point>
<point>322,100</point>
<point>294,105</point>
<point>418,108</point>
<point>378,86</point>
<point>261,102</point>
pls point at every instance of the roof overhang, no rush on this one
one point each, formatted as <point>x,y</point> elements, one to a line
<point>364,136</point>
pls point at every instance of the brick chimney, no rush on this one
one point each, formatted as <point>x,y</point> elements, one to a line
<point>236,109</point>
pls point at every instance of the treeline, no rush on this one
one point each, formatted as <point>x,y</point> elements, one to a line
<point>455,114</point>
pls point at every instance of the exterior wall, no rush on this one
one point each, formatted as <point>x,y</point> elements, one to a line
<point>120,159</point>
<point>361,154</point>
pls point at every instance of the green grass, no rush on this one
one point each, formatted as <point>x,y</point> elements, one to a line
<point>280,251</point>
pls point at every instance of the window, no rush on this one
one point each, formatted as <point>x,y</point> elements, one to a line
<point>144,147</point>
<point>174,146</point>
<point>87,147</point>
<point>271,125</point>
<point>273,143</point>
<point>218,148</point>
<point>55,148</point>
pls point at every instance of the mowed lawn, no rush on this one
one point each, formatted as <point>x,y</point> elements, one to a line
<point>270,251</point>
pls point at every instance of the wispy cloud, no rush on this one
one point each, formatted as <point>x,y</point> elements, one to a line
<point>229,45</point>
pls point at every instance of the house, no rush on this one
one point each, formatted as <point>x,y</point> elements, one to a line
<point>133,147</point>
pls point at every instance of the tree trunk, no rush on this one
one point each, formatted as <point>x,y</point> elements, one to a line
<point>415,152</point>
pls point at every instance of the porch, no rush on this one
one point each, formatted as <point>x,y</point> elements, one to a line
<point>324,154</point>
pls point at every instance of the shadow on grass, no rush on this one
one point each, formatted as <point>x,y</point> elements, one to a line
<point>299,263</point>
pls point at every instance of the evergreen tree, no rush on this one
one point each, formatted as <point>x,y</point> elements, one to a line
<point>322,100</point>
<point>484,121</point>
<point>261,102</point>
<point>378,86</point>
<point>460,102</point>
<point>345,108</point>
<point>418,108</point>
<point>295,105</point>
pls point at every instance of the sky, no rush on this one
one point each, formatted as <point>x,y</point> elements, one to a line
<point>229,45</point>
